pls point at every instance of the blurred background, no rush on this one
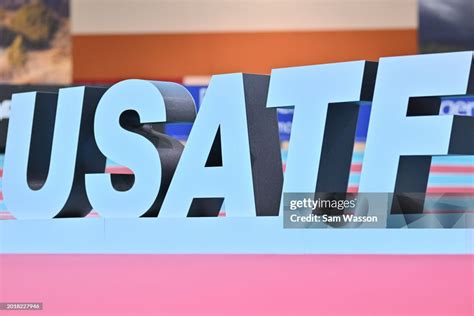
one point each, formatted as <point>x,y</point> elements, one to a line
<point>47,44</point>
<point>87,41</point>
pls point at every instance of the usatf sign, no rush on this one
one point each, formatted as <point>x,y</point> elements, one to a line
<point>58,144</point>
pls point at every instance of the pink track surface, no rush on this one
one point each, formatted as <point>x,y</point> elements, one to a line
<point>240,284</point>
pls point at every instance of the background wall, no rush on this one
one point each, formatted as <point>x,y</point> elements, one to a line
<point>165,39</point>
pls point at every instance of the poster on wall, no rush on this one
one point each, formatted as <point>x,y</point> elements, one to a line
<point>35,44</point>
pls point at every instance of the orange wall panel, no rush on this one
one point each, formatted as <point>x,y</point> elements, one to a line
<point>115,57</point>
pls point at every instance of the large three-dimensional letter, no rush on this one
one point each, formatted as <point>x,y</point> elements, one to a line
<point>49,149</point>
<point>122,127</point>
<point>405,130</point>
<point>326,99</point>
<point>248,176</point>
